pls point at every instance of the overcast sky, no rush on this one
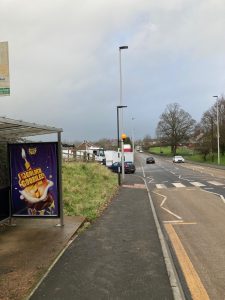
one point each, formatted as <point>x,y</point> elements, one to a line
<point>64,62</point>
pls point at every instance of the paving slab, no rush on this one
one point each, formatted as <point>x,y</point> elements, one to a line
<point>28,249</point>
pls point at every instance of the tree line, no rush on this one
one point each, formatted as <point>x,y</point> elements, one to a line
<point>176,126</point>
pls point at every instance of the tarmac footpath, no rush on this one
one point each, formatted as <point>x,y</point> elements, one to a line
<point>118,257</point>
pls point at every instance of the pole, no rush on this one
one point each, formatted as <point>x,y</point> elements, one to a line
<point>121,98</point>
<point>133,139</point>
<point>218,132</point>
<point>118,145</point>
<point>121,91</point>
<point>60,179</point>
<point>122,148</point>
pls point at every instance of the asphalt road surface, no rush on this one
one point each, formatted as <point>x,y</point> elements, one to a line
<point>190,203</point>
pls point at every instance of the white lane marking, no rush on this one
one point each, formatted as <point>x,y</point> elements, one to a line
<point>195,183</point>
<point>167,210</point>
<point>215,183</point>
<point>170,212</point>
<point>178,184</point>
<point>221,196</point>
<point>207,188</point>
<point>150,179</point>
<point>173,221</point>
<point>143,171</point>
<point>164,200</point>
<point>223,199</point>
<point>160,186</point>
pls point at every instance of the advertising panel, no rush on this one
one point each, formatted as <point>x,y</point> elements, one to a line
<point>4,70</point>
<point>4,203</point>
<point>34,179</point>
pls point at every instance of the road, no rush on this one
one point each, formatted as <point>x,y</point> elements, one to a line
<point>190,204</point>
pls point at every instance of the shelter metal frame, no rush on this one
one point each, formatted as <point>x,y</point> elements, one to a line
<point>11,129</point>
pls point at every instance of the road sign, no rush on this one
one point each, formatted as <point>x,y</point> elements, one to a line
<point>4,70</point>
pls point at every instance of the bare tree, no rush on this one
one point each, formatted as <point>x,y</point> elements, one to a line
<point>207,143</point>
<point>209,126</point>
<point>175,126</point>
<point>146,143</point>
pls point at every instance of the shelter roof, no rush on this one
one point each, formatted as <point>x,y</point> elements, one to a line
<point>13,129</point>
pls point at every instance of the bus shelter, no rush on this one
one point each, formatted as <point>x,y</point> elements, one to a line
<point>31,173</point>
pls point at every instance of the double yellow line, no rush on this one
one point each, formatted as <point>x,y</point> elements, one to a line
<point>194,283</point>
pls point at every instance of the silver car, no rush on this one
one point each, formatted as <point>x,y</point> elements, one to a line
<point>178,159</point>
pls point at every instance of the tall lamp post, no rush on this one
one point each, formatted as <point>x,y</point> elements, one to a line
<point>133,138</point>
<point>118,139</point>
<point>121,98</point>
<point>218,130</point>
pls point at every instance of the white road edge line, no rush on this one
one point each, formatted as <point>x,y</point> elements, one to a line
<point>143,170</point>
<point>173,277</point>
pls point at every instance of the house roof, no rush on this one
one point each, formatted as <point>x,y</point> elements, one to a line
<point>85,145</point>
<point>13,129</point>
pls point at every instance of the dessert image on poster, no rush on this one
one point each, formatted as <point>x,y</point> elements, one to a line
<point>34,179</point>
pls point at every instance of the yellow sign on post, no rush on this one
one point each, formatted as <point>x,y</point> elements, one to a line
<point>123,136</point>
<point>4,70</point>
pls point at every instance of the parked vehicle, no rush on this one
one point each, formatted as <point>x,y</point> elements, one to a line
<point>129,167</point>
<point>150,160</point>
<point>178,159</point>
<point>114,156</point>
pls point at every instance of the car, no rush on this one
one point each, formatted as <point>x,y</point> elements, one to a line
<point>141,151</point>
<point>114,167</point>
<point>150,160</point>
<point>129,167</point>
<point>178,159</point>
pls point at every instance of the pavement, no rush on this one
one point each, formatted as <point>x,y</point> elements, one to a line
<point>119,256</point>
<point>27,249</point>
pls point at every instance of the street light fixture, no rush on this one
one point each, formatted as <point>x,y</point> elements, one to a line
<point>218,130</point>
<point>120,63</point>
<point>118,139</point>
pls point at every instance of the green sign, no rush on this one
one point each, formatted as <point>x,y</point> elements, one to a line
<point>4,91</point>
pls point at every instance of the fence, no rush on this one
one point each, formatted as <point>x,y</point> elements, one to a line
<point>70,156</point>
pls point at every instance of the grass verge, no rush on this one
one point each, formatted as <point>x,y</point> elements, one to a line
<point>188,154</point>
<point>87,188</point>
<point>166,151</point>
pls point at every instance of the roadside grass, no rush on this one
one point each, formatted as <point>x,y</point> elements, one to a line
<point>199,158</point>
<point>166,151</point>
<point>87,188</point>
<point>188,154</point>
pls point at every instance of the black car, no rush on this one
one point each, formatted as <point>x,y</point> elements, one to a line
<point>129,167</point>
<point>150,160</point>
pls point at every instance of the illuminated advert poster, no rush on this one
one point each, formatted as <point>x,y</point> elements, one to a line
<point>34,179</point>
